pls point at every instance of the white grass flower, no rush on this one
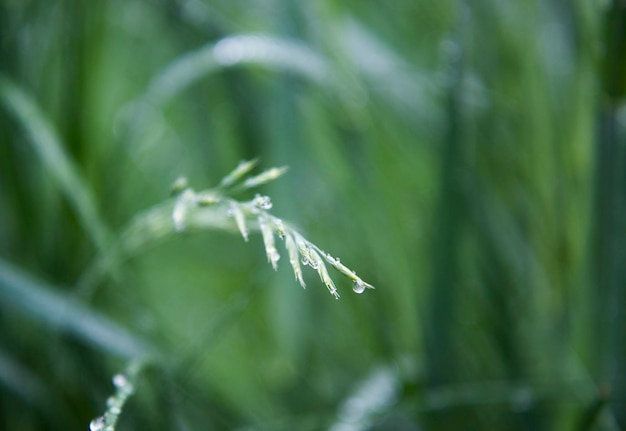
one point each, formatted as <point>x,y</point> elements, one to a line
<point>303,249</point>
<point>264,177</point>
<point>268,240</point>
<point>318,264</point>
<point>294,259</point>
<point>279,227</point>
<point>241,170</point>
<point>240,219</point>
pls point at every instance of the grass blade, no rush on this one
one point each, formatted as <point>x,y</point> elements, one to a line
<point>59,312</point>
<point>50,150</point>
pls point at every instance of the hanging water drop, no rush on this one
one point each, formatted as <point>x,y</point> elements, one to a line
<point>305,261</point>
<point>97,424</point>
<point>358,286</point>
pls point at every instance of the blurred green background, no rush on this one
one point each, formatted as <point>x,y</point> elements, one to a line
<point>465,157</point>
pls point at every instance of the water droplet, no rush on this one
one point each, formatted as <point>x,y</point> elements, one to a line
<point>359,286</point>
<point>314,264</point>
<point>120,381</point>
<point>262,202</point>
<point>305,261</point>
<point>123,384</point>
<point>97,424</point>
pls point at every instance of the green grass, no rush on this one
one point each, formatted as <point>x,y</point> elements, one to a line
<point>465,158</point>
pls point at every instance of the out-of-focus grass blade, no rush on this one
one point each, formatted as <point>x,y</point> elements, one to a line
<point>19,380</point>
<point>150,227</point>
<point>59,312</point>
<point>387,73</point>
<point>246,49</point>
<point>411,91</point>
<point>272,52</point>
<point>49,148</point>
<point>375,395</point>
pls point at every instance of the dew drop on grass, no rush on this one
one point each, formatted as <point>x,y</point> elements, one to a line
<point>97,424</point>
<point>305,261</point>
<point>358,286</point>
<point>262,202</point>
<point>120,380</point>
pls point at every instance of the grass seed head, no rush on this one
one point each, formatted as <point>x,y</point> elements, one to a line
<point>300,250</point>
<point>294,259</point>
<point>236,174</point>
<point>268,241</point>
<point>264,177</point>
<point>318,264</point>
<point>240,219</point>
